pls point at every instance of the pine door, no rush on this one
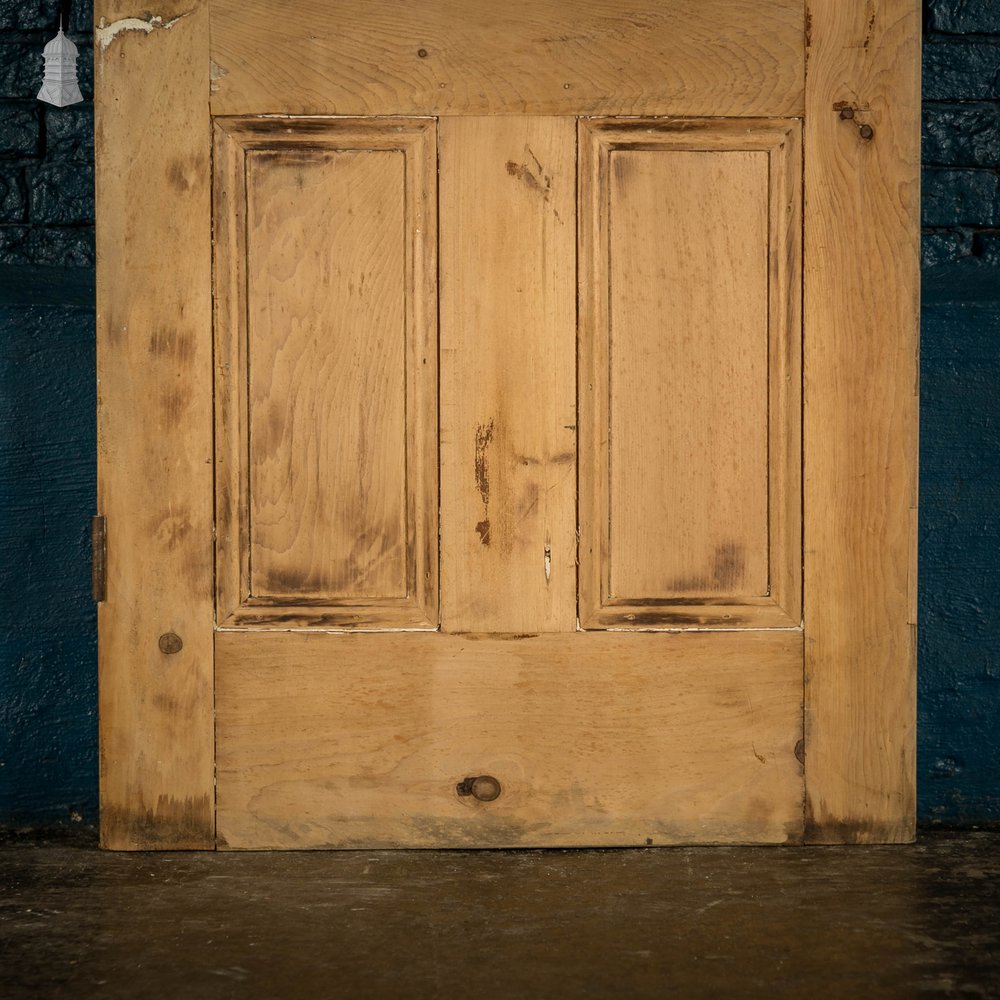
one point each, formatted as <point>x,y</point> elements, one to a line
<point>507,430</point>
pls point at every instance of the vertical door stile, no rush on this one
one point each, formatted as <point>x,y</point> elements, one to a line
<point>508,402</point>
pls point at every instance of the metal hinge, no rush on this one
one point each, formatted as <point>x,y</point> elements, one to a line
<point>99,557</point>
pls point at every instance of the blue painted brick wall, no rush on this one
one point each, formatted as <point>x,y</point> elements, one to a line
<point>48,669</point>
<point>958,761</point>
<point>46,153</point>
<point>48,768</point>
<point>961,130</point>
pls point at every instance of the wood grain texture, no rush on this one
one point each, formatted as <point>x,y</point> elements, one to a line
<point>690,332</point>
<point>553,57</point>
<point>687,444</point>
<point>508,410</point>
<point>596,739</point>
<point>326,275</point>
<point>327,386</point>
<point>154,364</point>
<point>861,310</point>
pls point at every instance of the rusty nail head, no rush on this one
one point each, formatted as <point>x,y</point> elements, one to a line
<point>170,642</point>
<point>866,131</point>
<point>485,788</point>
<point>847,111</point>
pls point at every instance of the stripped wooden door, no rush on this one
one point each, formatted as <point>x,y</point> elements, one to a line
<point>472,399</point>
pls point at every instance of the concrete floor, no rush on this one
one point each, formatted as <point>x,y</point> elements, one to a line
<point>664,922</point>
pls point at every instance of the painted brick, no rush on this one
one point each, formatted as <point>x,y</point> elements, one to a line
<point>944,246</point>
<point>960,197</point>
<point>85,68</point>
<point>959,603</point>
<point>48,675</point>
<point>962,71</point>
<point>28,15</point>
<point>20,69</point>
<point>965,135</point>
<point>965,17</point>
<point>13,207</point>
<point>988,249</point>
<point>81,19</point>
<point>48,247</point>
<point>19,131</point>
<point>69,132</point>
<point>62,194</point>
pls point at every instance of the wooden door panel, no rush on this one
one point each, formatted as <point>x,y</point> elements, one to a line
<point>596,739</point>
<point>673,247</point>
<point>508,399</point>
<point>327,413</point>
<point>543,57</point>
<point>326,374</point>
<point>689,369</point>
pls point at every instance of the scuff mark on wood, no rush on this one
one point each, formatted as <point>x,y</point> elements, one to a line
<point>215,74</point>
<point>107,33</point>
<point>533,175</point>
<point>484,438</point>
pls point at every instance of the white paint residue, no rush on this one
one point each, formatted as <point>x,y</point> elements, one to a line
<point>107,33</point>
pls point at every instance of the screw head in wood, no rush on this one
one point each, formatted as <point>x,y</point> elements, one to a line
<point>485,787</point>
<point>866,131</point>
<point>170,642</point>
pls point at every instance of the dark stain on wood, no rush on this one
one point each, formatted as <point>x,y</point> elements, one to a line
<point>728,565</point>
<point>174,402</point>
<point>682,602</point>
<point>870,26</point>
<point>499,636</point>
<point>171,343</point>
<point>484,438</point>
<point>670,619</point>
<point>849,830</point>
<point>622,169</point>
<point>726,572</point>
<point>177,175</point>
<point>178,824</point>
<point>531,175</point>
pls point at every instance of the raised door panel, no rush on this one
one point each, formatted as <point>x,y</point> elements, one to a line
<point>689,372</point>
<point>326,387</point>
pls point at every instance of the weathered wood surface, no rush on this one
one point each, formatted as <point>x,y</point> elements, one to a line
<point>508,407</point>
<point>595,739</point>
<point>154,369</point>
<point>543,57</point>
<point>861,313</point>
<point>690,333</point>
<point>327,382</point>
